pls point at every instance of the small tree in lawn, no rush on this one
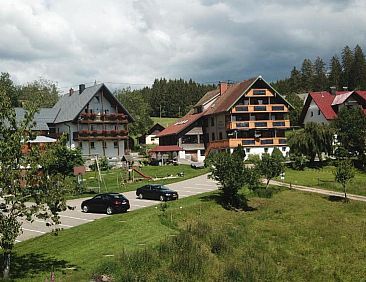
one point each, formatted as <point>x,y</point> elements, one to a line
<point>228,169</point>
<point>23,179</point>
<point>344,173</point>
<point>270,167</point>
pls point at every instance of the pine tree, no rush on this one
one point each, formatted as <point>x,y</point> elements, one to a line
<point>358,71</point>
<point>347,63</point>
<point>335,75</point>
<point>295,81</point>
<point>307,75</point>
<point>320,81</point>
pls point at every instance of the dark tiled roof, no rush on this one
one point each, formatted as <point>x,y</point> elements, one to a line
<point>230,96</point>
<point>207,97</point>
<point>180,125</point>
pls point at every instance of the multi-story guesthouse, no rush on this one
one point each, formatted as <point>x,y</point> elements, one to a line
<point>250,113</point>
<point>92,118</point>
<point>322,107</point>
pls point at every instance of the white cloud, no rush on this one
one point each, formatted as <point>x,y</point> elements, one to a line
<point>135,41</point>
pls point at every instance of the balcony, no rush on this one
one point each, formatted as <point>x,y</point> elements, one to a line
<point>103,118</point>
<point>247,142</point>
<point>258,124</point>
<point>100,135</point>
<point>259,108</point>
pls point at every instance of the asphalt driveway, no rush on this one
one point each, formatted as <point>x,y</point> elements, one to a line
<point>71,218</point>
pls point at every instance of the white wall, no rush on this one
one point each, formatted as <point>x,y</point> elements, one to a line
<point>149,141</point>
<point>110,151</point>
<point>261,150</point>
<point>313,115</point>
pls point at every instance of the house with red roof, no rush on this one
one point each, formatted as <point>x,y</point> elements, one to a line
<point>322,107</point>
<point>250,113</point>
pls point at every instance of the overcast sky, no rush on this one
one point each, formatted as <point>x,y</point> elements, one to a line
<point>80,41</point>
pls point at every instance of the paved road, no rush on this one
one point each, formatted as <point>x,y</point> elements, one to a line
<point>318,190</point>
<point>71,218</point>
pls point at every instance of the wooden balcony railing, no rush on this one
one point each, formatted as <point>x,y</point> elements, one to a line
<point>258,124</point>
<point>100,134</point>
<point>233,143</point>
<point>259,108</point>
<point>94,117</point>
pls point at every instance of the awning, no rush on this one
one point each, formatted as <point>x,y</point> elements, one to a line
<point>42,139</point>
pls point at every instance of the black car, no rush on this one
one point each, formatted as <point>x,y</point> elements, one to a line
<point>156,192</point>
<point>108,203</point>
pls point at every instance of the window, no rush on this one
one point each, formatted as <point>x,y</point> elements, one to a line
<point>213,136</point>
<point>311,113</point>
<point>284,149</point>
<point>247,150</point>
<point>92,145</point>
<point>212,121</point>
<point>104,144</point>
<point>220,135</point>
<point>318,112</point>
<point>259,92</point>
<point>115,144</point>
<point>80,145</point>
<point>266,150</point>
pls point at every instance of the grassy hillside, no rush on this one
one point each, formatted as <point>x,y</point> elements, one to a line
<point>324,178</point>
<point>291,237</point>
<point>164,121</point>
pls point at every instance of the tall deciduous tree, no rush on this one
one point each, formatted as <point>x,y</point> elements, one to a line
<point>228,169</point>
<point>350,126</point>
<point>42,92</point>
<point>22,179</point>
<point>344,173</point>
<point>138,107</point>
<point>270,167</point>
<point>312,141</point>
<point>8,87</point>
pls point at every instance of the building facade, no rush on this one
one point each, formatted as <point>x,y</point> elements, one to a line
<point>250,113</point>
<point>93,120</point>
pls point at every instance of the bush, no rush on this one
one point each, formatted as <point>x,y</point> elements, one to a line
<point>298,162</point>
<point>103,165</point>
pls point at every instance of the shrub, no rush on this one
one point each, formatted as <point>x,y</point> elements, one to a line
<point>298,162</point>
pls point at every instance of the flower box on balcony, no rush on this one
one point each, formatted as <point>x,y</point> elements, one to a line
<point>105,132</point>
<point>114,132</point>
<point>84,133</point>
<point>122,132</point>
<point>121,116</point>
<point>112,116</point>
<point>94,133</point>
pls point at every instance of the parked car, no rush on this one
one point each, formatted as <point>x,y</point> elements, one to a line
<point>108,203</point>
<point>156,192</point>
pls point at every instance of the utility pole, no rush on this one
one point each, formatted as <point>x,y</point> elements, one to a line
<point>160,110</point>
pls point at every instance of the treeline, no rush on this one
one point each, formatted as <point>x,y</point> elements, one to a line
<point>345,70</point>
<point>173,98</point>
<point>42,92</point>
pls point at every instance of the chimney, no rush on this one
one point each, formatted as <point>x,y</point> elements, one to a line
<point>81,88</point>
<point>71,91</point>
<point>223,87</point>
<point>345,88</point>
<point>333,90</point>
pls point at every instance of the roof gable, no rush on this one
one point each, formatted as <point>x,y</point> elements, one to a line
<point>69,106</point>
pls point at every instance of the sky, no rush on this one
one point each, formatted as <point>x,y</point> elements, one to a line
<point>133,42</point>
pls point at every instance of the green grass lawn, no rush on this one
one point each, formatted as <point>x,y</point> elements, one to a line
<point>110,177</point>
<point>293,236</point>
<point>164,121</point>
<point>324,178</point>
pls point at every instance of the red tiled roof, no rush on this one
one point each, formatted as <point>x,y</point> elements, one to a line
<point>324,102</point>
<point>170,148</point>
<point>180,125</point>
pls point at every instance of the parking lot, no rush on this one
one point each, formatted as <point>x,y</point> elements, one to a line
<point>71,218</point>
